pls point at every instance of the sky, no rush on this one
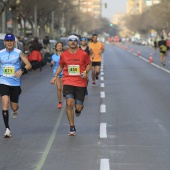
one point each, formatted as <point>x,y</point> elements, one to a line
<point>113,6</point>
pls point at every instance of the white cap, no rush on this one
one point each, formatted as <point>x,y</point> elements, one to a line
<point>73,37</point>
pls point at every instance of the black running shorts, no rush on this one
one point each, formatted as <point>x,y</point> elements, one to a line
<point>12,91</point>
<point>74,92</point>
<point>96,63</point>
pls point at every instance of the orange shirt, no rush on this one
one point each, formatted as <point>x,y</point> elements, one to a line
<point>96,48</point>
<point>74,65</point>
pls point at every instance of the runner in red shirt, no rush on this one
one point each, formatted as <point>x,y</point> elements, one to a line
<point>75,64</point>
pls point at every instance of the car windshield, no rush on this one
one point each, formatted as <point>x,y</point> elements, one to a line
<point>2,46</point>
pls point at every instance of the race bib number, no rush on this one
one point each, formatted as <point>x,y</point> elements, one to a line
<point>8,71</point>
<point>73,70</point>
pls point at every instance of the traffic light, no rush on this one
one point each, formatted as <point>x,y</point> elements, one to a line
<point>111,24</point>
<point>105,4</point>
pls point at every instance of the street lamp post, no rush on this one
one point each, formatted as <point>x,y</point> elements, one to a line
<point>3,21</point>
<point>35,20</point>
<point>102,4</point>
<point>52,24</point>
<point>4,18</point>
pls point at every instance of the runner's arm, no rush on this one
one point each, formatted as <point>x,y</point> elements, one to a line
<point>102,50</point>
<point>85,72</point>
<point>27,66</point>
<point>58,71</point>
<point>52,63</point>
<point>91,54</point>
<point>25,61</point>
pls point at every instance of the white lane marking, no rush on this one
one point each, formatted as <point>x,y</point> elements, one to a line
<point>168,71</point>
<point>102,78</point>
<point>102,108</point>
<point>143,58</point>
<point>102,94</point>
<point>101,69</point>
<point>103,130</point>
<point>102,85</point>
<point>101,66</point>
<point>104,164</point>
<point>102,73</point>
<point>50,141</point>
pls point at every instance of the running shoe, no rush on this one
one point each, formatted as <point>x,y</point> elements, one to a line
<point>7,133</point>
<point>59,106</point>
<point>77,113</point>
<point>14,114</point>
<point>72,131</point>
<point>97,77</point>
<point>93,84</point>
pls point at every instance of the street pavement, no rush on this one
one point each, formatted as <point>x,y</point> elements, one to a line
<point>125,124</point>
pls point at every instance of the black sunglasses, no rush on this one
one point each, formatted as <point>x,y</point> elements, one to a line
<point>75,40</point>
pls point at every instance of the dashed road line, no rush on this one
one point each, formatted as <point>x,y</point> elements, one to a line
<point>102,85</point>
<point>102,78</point>
<point>102,108</point>
<point>102,94</point>
<point>104,164</point>
<point>103,130</point>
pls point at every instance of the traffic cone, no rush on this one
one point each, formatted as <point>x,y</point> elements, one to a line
<point>151,58</point>
<point>138,53</point>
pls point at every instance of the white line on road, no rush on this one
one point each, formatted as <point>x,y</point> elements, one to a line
<point>50,141</point>
<point>102,94</point>
<point>102,73</point>
<point>104,164</point>
<point>102,108</point>
<point>102,84</point>
<point>143,58</point>
<point>103,130</point>
<point>102,78</point>
<point>101,69</point>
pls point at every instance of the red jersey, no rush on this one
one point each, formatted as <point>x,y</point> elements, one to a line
<point>74,65</point>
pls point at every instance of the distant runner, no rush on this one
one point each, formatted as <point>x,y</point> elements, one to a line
<point>163,50</point>
<point>86,48</point>
<point>55,63</point>
<point>98,49</point>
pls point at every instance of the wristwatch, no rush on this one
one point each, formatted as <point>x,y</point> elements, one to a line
<point>23,69</point>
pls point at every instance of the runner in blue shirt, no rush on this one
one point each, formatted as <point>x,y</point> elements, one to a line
<point>55,63</point>
<point>10,82</point>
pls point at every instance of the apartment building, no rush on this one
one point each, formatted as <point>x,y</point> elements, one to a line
<point>152,2</point>
<point>135,6</point>
<point>92,7</point>
<point>138,6</point>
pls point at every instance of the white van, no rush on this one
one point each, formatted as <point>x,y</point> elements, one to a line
<point>17,44</point>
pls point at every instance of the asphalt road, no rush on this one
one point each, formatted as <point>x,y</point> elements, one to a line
<point>125,124</point>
